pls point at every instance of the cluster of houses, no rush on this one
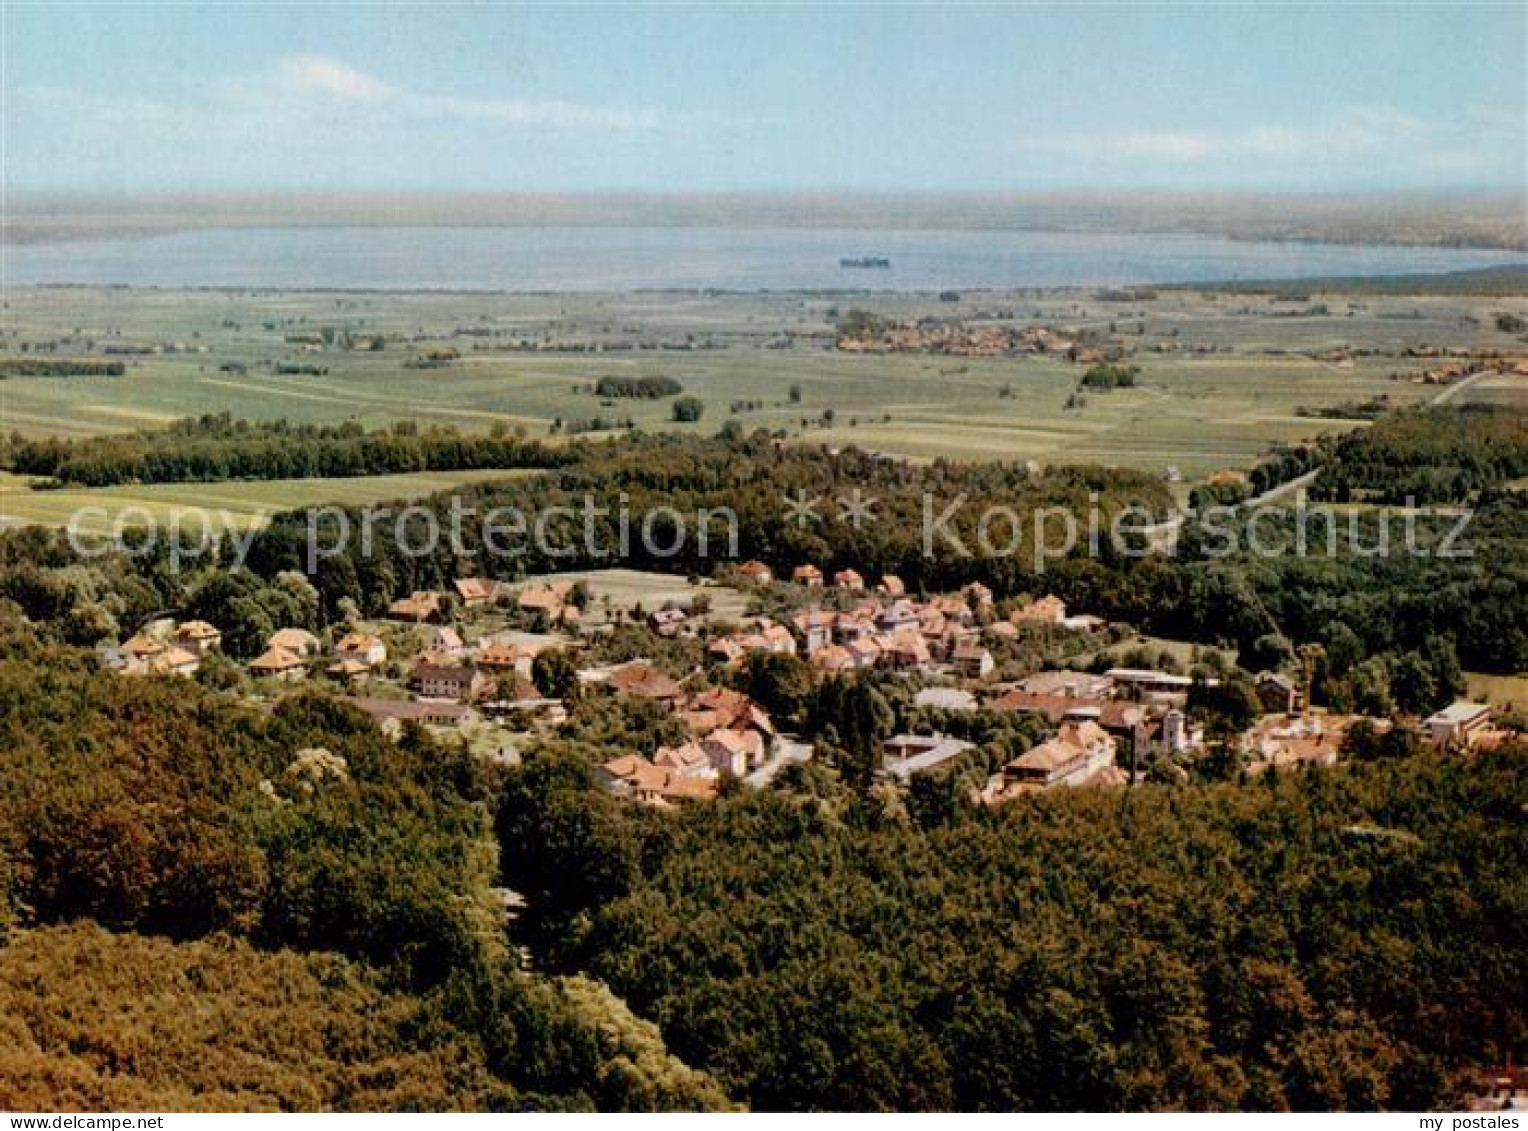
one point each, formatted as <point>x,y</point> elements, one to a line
<point>554,600</point>
<point>1103,725</point>
<point>884,627</point>
<point>959,339</point>
<point>164,648</point>
<point>729,734</point>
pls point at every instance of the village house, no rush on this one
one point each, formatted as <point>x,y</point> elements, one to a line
<point>726,650</point>
<point>897,615</point>
<point>391,714</point>
<point>904,650</point>
<point>348,671</point>
<point>688,759</point>
<point>198,636</point>
<point>973,661</point>
<point>640,680</point>
<point>932,626</point>
<point>114,659</point>
<point>1458,724</point>
<point>637,778</point>
<point>1046,610</point>
<point>444,641</point>
<point>550,599</point>
<point>733,751</point>
<point>755,573</point>
<point>1072,684</point>
<point>863,653</point>
<point>418,607</point>
<point>1151,685</point>
<point>175,661</point>
<point>832,659</point>
<point>777,638</point>
<point>808,575</point>
<point>1052,708</point>
<point>501,659</point>
<point>907,754</point>
<point>478,592</point>
<point>361,648</point>
<point>278,663</point>
<point>952,609</point>
<point>1080,754</point>
<point>855,625</point>
<point>1277,743</point>
<point>849,579</point>
<point>142,647</point>
<point>463,683</point>
<point>723,707</point>
<point>298,641</point>
<point>814,628</point>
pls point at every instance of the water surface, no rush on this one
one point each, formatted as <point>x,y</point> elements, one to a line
<point>621,259</point>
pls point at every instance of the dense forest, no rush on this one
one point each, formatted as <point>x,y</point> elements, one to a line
<point>323,895</point>
<point>1347,938</point>
<point>1326,940</point>
<point>1427,456</point>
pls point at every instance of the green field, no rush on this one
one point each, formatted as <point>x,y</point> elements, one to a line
<point>237,505</point>
<point>1242,368</point>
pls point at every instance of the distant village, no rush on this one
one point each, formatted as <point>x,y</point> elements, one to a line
<point>464,662</point>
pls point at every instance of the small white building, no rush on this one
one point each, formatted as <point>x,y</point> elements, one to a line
<point>1458,724</point>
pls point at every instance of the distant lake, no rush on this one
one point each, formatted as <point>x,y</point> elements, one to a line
<point>754,259</point>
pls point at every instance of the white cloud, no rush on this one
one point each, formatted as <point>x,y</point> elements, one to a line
<point>341,89</point>
<point>329,76</point>
<point>306,120</point>
<point>1381,135</point>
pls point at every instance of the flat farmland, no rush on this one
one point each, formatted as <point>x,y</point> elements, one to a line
<point>231,505</point>
<point>1223,377</point>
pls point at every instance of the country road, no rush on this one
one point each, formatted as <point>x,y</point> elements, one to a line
<point>1449,392</point>
<point>1162,534</point>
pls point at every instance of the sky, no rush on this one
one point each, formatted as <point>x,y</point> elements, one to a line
<point>341,97</point>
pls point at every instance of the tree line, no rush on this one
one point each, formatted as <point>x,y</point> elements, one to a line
<point>213,449</point>
<point>59,367</point>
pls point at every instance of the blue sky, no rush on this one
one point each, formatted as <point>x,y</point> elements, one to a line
<point>226,97</point>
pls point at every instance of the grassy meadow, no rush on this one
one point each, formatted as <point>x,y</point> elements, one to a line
<point>233,505</point>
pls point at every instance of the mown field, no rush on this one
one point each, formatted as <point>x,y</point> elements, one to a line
<point>1509,692</point>
<point>744,357</point>
<point>236,505</point>
<point>622,590</point>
